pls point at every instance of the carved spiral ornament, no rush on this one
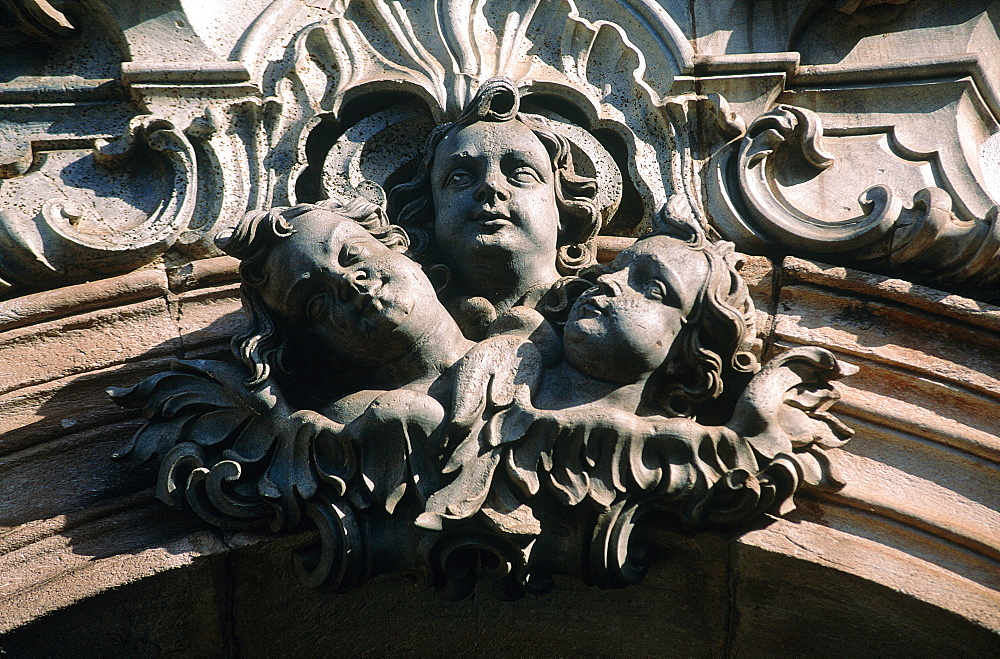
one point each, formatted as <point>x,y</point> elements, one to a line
<point>924,236</point>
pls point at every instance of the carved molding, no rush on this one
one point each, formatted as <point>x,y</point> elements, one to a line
<point>923,237</point>
<point>77,228</point>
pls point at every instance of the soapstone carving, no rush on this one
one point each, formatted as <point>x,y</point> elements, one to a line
<point>580,399</point>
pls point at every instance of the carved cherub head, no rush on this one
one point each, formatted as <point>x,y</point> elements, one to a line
<point>334,276</point>
<point>496,200</point>
<point>670,310</point>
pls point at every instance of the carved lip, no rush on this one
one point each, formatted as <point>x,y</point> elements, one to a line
<point>493,220</point>
<point>366,298</point>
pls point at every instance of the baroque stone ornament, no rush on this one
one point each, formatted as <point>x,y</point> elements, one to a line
<point>485,398</point>
<point>99,206</point>
<point>933,236</point>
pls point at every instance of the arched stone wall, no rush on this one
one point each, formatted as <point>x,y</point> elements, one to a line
<point>120,276</point>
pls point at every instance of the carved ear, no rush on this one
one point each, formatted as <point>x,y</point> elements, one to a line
<point>439,275</point>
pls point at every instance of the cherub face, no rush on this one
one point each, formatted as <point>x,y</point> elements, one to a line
<point>494,191</point>
<point>624,327</point>
<point>337,283</point>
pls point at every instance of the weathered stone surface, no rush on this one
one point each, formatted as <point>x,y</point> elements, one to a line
<point>843,591</point>
<point>129,619</point>
<point>131,134</point>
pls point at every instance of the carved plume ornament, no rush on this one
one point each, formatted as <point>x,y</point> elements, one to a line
<point>437,374</point>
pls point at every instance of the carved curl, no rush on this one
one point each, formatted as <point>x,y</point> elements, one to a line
<point>576,196</point>
<point>716,334</point>
<point>715,337</point>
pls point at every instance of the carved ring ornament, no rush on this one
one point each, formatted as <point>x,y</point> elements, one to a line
<point>465,391</point>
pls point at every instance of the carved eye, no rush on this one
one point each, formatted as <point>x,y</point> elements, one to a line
<point>315,306</point>
<point>525,176</point>
<point>657,290</point>
<point>354,253</point>
<point>459,179</point>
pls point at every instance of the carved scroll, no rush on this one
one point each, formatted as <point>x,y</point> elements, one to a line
<point>58,230</point>
<point>922,238</point>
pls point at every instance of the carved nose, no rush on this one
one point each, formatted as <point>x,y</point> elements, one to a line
<point>492,189</point>
<point>349,283</point>
<point>610,283</point>
<point>356,277</point>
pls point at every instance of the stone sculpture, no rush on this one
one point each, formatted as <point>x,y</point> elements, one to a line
<point>498,203</point>
<point>570,408</point>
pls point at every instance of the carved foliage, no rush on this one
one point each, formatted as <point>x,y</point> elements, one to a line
<point>512,454</point>
<point>223,454</point>
<point>440,53</point>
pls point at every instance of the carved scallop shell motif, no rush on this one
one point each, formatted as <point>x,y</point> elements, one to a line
<point>606,80</point>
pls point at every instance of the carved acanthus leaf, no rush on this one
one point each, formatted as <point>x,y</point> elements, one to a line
<point>235,456</point>
<point>441,52</point>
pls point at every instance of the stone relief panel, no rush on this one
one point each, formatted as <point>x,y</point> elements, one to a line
<point>101,209</point>
<point>281,122</point>
<point>781,169</point>
<point>449,364</point>
<point>874,161</point>
<point>511,404</point>
<point>89,187</point>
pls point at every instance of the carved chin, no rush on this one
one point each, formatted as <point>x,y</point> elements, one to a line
<point>585,345</point>
<point>601,351</point>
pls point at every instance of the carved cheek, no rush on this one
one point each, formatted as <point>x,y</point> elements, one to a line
<point>537,210</point>
<point>645,329</point>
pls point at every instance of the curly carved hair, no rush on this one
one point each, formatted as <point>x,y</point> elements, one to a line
<point>576,196</point>
<point>264,343</point>
<point>715,336</point>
